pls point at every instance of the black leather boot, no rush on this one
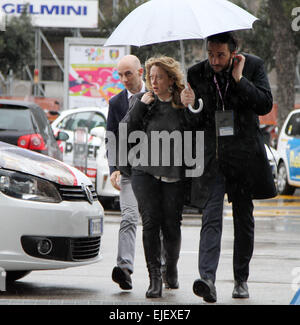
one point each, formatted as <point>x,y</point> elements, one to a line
<point>240,290</point>
<point>172,251</point>
<point>172,276</point>
<point>152,248</point>
<point>155,287</point>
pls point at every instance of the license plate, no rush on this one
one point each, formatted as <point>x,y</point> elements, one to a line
<point>95,227</point>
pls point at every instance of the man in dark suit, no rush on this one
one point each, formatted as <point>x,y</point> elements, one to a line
<point>130,72</point>
<point>235,90</point>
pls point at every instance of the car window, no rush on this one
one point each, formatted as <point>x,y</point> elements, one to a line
<point>96,120</point>
<point>74,121</point>
<point>66,123</point>
<point>15,118</point>
<point>293,125</point>
<point>82,119</point>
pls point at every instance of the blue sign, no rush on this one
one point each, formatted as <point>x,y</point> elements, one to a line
<point>55,13</point>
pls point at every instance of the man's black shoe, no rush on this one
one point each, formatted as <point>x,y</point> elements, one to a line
<point>240,290</point>
<point>206,289</point>
<point>122,277</point>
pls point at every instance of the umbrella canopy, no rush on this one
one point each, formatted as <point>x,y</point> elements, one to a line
<point>159,21</point>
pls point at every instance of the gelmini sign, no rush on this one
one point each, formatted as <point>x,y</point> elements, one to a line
<point>55,13</point>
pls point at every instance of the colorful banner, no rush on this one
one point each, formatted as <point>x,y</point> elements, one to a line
<point>93,78</point>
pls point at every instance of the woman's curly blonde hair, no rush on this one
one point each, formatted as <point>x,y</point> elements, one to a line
<point>172,68</point>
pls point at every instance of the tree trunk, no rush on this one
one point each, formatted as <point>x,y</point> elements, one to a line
<point>285,52</point>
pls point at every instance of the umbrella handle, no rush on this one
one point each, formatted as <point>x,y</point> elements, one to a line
<point>198,109</point>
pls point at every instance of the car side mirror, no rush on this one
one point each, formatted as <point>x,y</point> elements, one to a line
<point>98,132</point>
<point>62,136</point>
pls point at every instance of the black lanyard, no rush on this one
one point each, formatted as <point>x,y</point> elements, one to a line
<point>219,90</point>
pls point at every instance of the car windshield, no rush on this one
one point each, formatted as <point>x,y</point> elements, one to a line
<point>88,119</point>
<point>293,125</point>
<point>15,118</point>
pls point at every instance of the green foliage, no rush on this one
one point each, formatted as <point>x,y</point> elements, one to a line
<point>288,7</point>
<point>171,49</point>
<point>16,45</point>
<point>113,19</point>
<point>260,39</point>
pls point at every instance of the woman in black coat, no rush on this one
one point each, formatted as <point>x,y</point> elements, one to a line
<point>157,167</point>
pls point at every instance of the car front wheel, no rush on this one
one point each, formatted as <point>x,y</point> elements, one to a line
<point>283,186</point>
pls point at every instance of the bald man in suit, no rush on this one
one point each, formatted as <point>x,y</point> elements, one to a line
<point>130,72</point>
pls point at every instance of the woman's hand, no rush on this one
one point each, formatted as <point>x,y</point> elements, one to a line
<point>147,98</point>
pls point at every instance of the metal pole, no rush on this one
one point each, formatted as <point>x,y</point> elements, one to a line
<point>32,79</point>
<point>101,14</point>
<point>182,57</point>
<point>185,79</point>
<point>115,8</point>
<point>38,60</point>
<point>204,49</point>
<point>2,21</point>
<point>297,74</point>
<point>51,51</point>
<point>10,82</point>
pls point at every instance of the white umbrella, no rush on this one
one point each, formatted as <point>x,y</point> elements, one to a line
<point>159,21</point>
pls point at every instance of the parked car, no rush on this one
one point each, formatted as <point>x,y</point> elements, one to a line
<point>289,154</point>
<point>270,133</point>
<point>50,215</point>
<point>94,162</point>
<point>25,124</point>
<point>273,160</point>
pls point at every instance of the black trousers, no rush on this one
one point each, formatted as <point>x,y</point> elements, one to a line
<point>160,205</point>
<point>211,232</point>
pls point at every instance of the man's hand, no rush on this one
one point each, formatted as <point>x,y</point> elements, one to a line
<point>115,179</point>
<point>188,96</point>
<point>238,67</point>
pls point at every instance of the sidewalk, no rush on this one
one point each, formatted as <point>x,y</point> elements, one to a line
<point>274,271</point>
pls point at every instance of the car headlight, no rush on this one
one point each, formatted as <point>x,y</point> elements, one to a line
<point>28,187</point>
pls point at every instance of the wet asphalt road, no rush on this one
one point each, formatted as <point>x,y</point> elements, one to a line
<point>274,270</point>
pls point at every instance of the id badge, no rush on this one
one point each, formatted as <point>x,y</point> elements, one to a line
<point>224,123</point>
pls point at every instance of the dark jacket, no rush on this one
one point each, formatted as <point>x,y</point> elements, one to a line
<point>159,119</point>
<point>242,158</point>
<point>118,107</point>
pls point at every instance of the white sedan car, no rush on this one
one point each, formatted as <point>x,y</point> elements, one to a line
<point>85,151</point>
<point>289,154</point>
<point>50,215</point>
